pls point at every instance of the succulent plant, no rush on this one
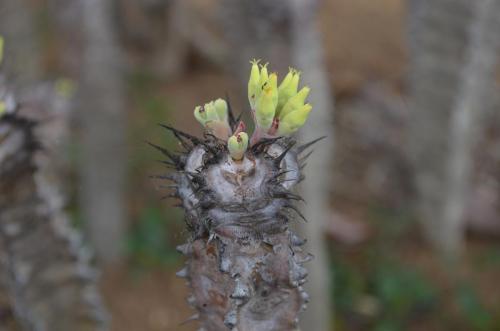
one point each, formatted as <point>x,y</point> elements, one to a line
<point>244,265</point>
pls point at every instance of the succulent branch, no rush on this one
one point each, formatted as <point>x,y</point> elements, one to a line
<point>44,270</point>
<point>244,265</point>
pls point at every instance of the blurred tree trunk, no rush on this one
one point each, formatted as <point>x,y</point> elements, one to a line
<point>476,79</point>
<point>17,26</point>
<point>284,33</point>
<point>172,58</point>
<point>45,274</point>
<point>257,30</point>
<point>307,53</point>
<point>44,270</point>
<point>20,66</point>
<point>66,18</point>
<point>451,67</point>
<point>102,111</point>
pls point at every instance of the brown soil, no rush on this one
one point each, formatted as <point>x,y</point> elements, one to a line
<point>146,301</point>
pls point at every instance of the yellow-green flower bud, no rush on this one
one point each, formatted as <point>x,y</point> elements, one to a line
<point>266,105</point>
<point>288,88</point>
<point>286,80</point>
<point>237,145</point>
<point>211,111</point>
<point>3,108</point>
<point>294,120</point>
<point>254,86</point>
<point>264,76</point>
<point>295,102</point>
<point>213,116</point>
<point>221,108</point>
<point>200,114</point>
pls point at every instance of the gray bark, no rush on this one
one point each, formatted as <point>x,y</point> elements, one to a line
<point>102,114</point>
<point>307,52</point>
<point>43,267</point>
<point>476,80</point>
<point>452,61</point>
<point>437,42</point>
<point>245,266</point>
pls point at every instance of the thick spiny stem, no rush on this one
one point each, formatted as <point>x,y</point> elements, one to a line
<point>42,265</point>
<point>245,266</point>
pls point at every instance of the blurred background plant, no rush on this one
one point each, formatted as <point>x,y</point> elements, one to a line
<point>403,239</point>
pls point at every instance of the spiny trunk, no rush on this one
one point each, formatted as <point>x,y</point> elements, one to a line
<point>245,266</point>
<point>45,269</point>
<point>285,32</point>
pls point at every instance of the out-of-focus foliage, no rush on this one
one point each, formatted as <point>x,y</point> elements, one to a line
<point>149,244</point>
<point>382,295</point>
<point>473,310</point>
<point>377,288</point>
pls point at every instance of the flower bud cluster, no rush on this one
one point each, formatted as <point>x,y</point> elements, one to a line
<point>278,110</point>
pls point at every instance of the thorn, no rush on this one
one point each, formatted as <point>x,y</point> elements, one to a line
<point>196,177</point>
<point>296,240</point>
<point>225,264</point>
<point>305,157</point>
<point>184,249</point>
<point>299,273</point>
<point>263,143</point>
<point>289,196</point>
<point>173,186</point>
<point>165,177</point>
<point>275,177</point>
<point>232,120</point>
<point>287,180</point>
<point>241,291</point>
<point>295,209</point>
<point>303,147</point>
<point>183,273</point>
<point>177,135</point>
<point>304,258</point>
<point>238,119</point>
<point>175,159</point>
<point>191,138</point>
<point>169,165</point>
<point>192,318</point>
<point>283,194</point>
<point>305,297</point>
<point>174,195</point>
<point>230,319</point>
<point>279,158</point>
